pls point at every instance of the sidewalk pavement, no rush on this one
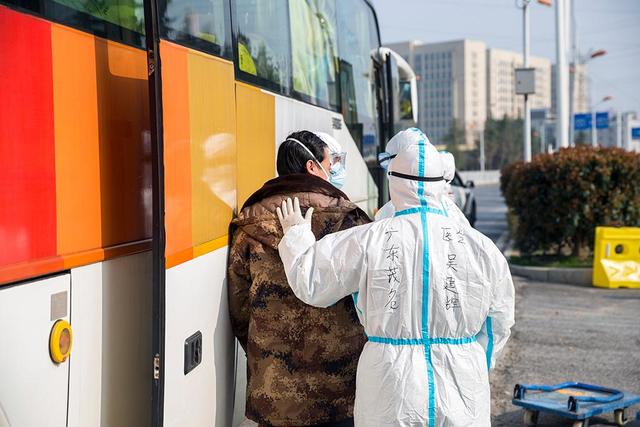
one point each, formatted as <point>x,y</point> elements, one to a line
<point>568,333</point>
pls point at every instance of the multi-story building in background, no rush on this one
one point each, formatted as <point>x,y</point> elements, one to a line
<point>464,82</point>
<point>451,86</point>
<point>501,84</point>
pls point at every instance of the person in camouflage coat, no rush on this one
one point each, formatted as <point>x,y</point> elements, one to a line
<point>301,360</point>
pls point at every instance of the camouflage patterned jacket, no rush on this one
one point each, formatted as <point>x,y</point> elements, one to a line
<point>301,360</point>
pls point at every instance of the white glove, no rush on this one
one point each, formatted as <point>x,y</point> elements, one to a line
<point>291,215</point>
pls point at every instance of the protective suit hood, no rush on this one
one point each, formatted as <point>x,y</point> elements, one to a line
<point>449,165</point>
<point>420,170</point>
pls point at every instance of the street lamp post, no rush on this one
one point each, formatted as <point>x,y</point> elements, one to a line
<point>526,87</point>
<point>527,107</point>
<point>562,103</point>
<point>524,5</point>
<point>594,128</point>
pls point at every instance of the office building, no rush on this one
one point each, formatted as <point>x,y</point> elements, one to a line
<point>502,99</point>
<point>451,86</point>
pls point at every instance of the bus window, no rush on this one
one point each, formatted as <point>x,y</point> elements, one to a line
<point>263,43</point>
<point>406,110</point>
<point>128,14</point>
<point>314,46</point>
<point>357,41</point>
<point>117,20</point>
<point>199,24</point>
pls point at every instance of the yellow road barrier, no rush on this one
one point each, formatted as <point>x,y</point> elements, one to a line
<point>616,262</point>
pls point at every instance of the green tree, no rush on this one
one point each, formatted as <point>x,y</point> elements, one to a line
<point>455,140</point>
<point>503,142</point>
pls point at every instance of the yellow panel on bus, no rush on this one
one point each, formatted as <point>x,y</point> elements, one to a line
<point>256,113</point>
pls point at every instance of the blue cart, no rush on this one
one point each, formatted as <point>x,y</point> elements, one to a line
<point>575,401</point>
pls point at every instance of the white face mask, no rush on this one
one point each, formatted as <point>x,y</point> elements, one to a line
<point>315,158</point>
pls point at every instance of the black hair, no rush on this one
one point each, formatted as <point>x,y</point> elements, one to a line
<point>292,158</point>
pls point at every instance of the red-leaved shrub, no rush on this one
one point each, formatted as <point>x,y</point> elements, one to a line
<point>558,199</point>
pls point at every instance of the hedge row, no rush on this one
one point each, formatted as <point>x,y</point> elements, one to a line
<point>558,199</point>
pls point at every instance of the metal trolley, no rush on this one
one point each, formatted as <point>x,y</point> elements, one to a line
<point>573,400</point>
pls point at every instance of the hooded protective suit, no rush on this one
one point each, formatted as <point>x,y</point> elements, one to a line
<point>435,298</point>
<point>399,143</point>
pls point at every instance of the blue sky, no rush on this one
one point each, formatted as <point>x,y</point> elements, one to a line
<point>613,25</point>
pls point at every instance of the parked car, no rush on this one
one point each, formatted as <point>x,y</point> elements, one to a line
<point>464,198</point>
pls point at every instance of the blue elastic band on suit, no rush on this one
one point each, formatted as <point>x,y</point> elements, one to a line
<point>454,341</point>
<point>397,341</point>
<point>421,209</point>
<point>423,341</point>
<point>490,342</point>
<point>355,301</point>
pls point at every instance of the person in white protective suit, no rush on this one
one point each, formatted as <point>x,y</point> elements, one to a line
<point>434,295</point>
<point>399,143</point>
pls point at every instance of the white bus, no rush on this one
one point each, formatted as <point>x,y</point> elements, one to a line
<point>130,133</point>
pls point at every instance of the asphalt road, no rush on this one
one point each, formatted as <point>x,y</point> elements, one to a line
<point>491,212</point>
<point>562,332</point>
<point>569,333</point>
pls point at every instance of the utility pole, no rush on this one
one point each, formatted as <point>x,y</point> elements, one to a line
<point>562,127</point>
<point>573,66</point>
<point>527,107</point>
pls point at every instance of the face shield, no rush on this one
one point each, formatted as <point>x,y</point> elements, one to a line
<point>338,169</point>
<point>337,159</point>
<point>384,159</point>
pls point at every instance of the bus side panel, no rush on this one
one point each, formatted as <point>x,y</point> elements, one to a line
<point>85,379</point>
<point>200,182</point>
<point>196,293</point>
<point>177,153</point>
<point>33,389</point>
<point>292,115</point>
<point>126,341</point>
<point>75,171</point>
<point>27,164</point>
<point>77,134</point>
<point>110,362</point>
<point>256,113</point>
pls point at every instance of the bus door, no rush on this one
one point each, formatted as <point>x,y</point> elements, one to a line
<point>192,98</point>
<point>398,104</point>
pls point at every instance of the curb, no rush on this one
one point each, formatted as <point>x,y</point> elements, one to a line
<point>568,276</point>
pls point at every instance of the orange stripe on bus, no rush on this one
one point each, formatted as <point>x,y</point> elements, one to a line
<point>77,141</point>
<point>28,269</point>
<point>177,151</point>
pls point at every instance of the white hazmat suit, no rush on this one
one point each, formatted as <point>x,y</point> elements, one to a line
<point>399,143</point>
<point>435,298</point>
